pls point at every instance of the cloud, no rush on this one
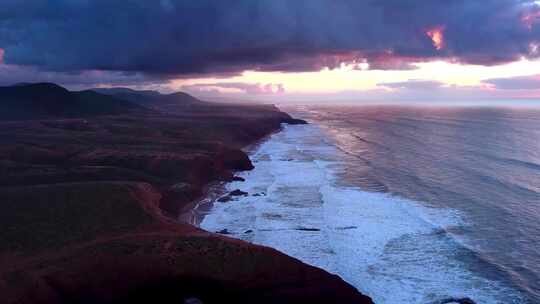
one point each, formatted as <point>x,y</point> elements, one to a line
<point>175,38</point>
<point>12,74</point>
<point>413,84</point>
<point>386,62</point>
<point>224,87</point>
<point>1,56</point>
<point>516,83</point>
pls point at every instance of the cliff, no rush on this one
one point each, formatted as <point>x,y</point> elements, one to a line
<point>89,202</point>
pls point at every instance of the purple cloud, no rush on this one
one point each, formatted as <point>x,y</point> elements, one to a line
<point>12,74</point>
<point>516,83</point>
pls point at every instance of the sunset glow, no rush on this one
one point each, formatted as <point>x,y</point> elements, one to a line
<point>356,83</point>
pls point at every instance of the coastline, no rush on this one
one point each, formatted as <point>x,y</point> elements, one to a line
<point>190,213</point>
<point>141,239</point>
<point>313,211</point>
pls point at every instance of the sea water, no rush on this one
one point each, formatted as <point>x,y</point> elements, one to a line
<point>407,204</point>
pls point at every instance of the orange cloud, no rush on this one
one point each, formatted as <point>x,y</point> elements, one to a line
<point>437,36</point>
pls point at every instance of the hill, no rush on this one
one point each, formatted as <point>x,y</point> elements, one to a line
<point>47,100</point>
<point>152,99</point>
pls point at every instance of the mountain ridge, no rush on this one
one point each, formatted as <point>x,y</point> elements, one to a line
<point>151,99</point>
<point>49,100</point>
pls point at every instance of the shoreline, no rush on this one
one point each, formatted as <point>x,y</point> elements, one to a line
<point>291,220</point>
<point>216,189</point>
<point>189,215</point>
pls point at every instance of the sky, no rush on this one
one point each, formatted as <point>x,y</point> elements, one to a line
<point>279,50</point>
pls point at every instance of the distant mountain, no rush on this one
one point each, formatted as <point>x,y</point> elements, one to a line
<point>126,91</point>
<point>48,100</point>
<point>152,99</point>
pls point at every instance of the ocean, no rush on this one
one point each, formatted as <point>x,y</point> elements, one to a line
<point>407,204</point>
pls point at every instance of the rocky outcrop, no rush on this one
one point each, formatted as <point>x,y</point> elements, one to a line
<point>456,301</point>
<point>295,121</point>
<point>238,192</point>
<point>231,195</point>
<point>238,179</point>
<point>234,159</point>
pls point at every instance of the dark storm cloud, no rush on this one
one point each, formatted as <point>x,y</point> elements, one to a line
<point>170,38</point>
<point>12,74</point>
